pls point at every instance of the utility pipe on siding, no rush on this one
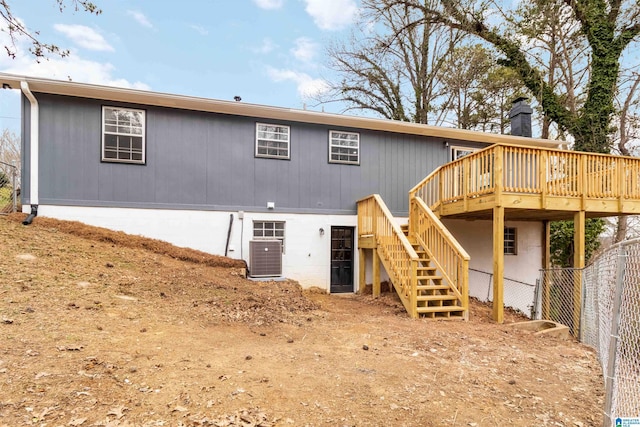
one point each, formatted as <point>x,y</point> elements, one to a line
<point>226,248</point>
<point>34,143</point>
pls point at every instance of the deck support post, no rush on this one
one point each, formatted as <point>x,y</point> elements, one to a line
<point>376,274</point>
<point>578,263</point>
<point>498,264</point>
<point>546,245</point>
<point>362,270</point>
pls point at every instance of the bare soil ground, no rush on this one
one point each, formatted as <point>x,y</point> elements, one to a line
<point>103,329</point>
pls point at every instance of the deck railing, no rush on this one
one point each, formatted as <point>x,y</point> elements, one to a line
<point>444,250</point>
<point>398,256</point>
<point>512,169</point>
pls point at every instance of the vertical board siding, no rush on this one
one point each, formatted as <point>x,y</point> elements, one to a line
<point>207,160</point>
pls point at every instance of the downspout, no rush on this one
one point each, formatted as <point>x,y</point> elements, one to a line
<point>34,160</point>
<point>226,248</point>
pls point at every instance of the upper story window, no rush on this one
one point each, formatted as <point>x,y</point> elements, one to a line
<point>460,152</point>
<point>272,141</point>
<point>123,135</point>
<point>344,147</point>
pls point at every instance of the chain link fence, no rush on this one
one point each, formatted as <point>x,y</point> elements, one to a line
<point>9,191</point>
<point>601,304</point>
<point>518,296</point>
<point>559,297</point>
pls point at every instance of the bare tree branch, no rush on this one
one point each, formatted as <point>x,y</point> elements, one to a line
<point>16,29</point>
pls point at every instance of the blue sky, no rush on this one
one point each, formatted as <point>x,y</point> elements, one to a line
<point>266,51</point>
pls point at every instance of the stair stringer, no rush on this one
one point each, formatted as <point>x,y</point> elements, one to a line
<point>454,290</point>
<point>450,259</point>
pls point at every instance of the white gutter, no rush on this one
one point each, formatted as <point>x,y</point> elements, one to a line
<point>141,97</point>
<point>34,143</point>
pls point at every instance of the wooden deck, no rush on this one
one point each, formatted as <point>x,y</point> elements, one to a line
<point>501,182</point>
<point>533,184</point>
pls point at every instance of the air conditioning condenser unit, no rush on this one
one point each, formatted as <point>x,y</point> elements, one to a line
<point>265,258</point>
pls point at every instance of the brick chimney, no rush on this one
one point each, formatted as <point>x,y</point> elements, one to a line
<point>520,116</point>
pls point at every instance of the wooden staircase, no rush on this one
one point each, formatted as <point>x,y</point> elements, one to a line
<point>427,267</point>
<point>434,298</point>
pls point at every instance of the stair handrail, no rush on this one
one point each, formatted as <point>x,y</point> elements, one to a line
<point>428,189</point>
<point>445,251</point>
<point>397,255</point>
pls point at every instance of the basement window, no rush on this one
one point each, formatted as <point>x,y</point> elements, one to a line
<point>344,147</point>
<point>272,141</point>
<point>123,135</point>
<point>269,230</point>
<point>510,241</point>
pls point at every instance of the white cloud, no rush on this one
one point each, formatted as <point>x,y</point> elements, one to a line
<point>199,29</point>
<point>305,49</point>
<point>266,47</point>
<point>269,4</point>
<point>140,17</point>
<point>84,36</point>
<point>72,67</point>
<point>332,14</point>
<point>307,86</point>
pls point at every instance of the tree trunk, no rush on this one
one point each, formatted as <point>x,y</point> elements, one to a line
<point>621,229</point>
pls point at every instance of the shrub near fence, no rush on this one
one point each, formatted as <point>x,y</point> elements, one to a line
<point>608,319</point>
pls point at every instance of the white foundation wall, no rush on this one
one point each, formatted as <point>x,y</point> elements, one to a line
<point>520,271</point>
<point>306,256</point>
<point>307,252</point>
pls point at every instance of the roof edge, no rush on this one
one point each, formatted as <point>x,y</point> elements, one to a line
<point>137,96</point>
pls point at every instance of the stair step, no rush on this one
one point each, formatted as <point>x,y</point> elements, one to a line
<point>429,277</point>
<point>426,268</point>
<point>432,287</point>
<point>441,309</point>
<point>444,316</point>
<point>436,298</point>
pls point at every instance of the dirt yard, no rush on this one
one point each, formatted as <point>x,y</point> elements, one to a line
<point>102,329</point>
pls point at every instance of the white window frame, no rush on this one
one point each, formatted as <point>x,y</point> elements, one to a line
<point>272,228</point>
<point>513,249</point>
<point>121,132</point>
<point>455,149</point>
<point>266,140</point>
<point>334,142</point>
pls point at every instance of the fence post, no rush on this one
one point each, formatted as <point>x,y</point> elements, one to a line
<point>536,299</point>
<point>613,343</point>
<point>15,191</point>
<point>583,305</point>
<point>547,279</point>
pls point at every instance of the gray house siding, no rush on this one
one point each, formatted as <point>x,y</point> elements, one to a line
<point>198,160</point>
